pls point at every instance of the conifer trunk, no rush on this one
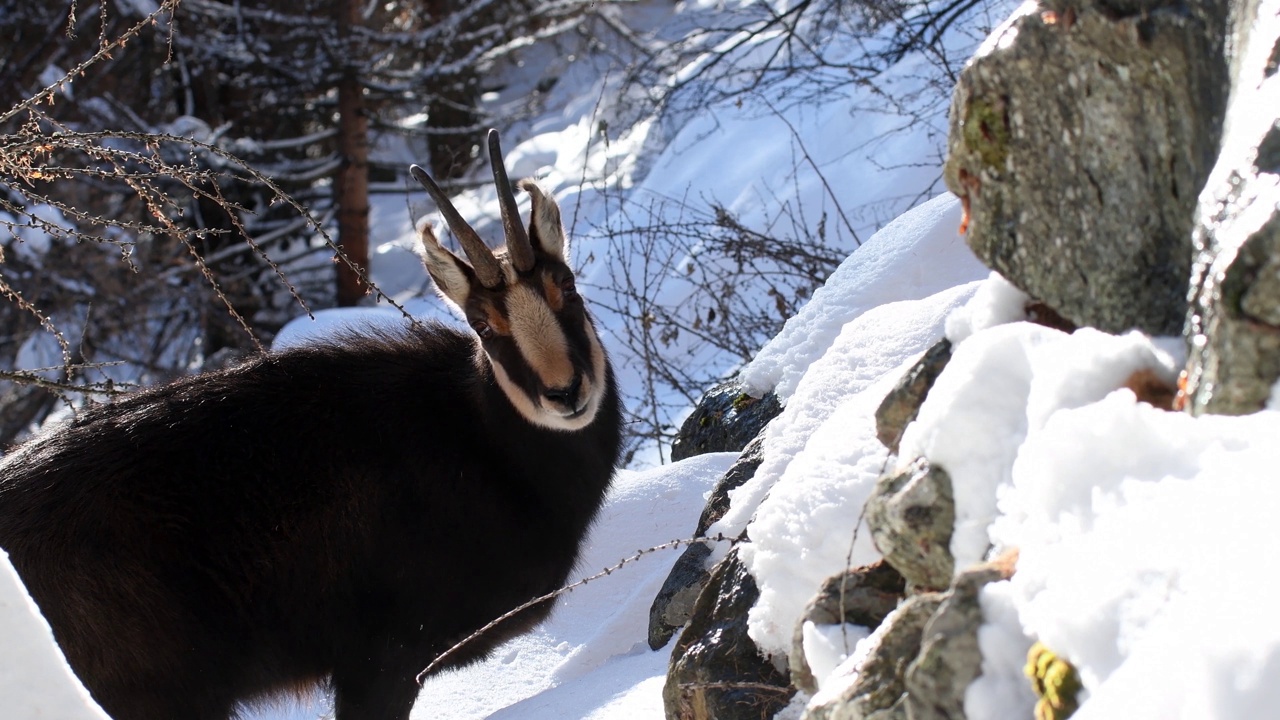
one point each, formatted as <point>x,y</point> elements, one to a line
<point>351,186</point>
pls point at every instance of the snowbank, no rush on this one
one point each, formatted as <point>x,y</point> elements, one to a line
<point>35,680</point>
<point>918,254</point>
<point>1139,531</point>
<point>591,659</point>
<point>833,364</point>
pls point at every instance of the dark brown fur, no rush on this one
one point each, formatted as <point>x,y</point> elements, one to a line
<point>343,512</point>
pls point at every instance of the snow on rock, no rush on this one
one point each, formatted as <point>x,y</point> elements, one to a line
<point>984,404</point>
<point>971,425</point>
<point>918,254</point>
<point>35,680</point>
<point>821,461</point>
<point>827,646</point>
<point>996,302</point>
<point>1139,533</point>
<point>1138,528</point>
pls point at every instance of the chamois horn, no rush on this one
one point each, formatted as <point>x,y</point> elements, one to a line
<point>517,239</point>
<point>481,257</point>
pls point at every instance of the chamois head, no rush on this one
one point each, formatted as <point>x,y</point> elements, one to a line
<point>522,303</point>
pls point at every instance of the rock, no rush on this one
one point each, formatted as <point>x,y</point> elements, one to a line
<point>911,514</point>
<point>742,470</point>
<point>725,420</point>
<point>1081,133</point>
<point>878,691</point>
<point>949,658</point>
<point>716,671</point>
<point>862,596</point>
<point>673,603</point>
<point>1234,326</point>
<point>903,402</point>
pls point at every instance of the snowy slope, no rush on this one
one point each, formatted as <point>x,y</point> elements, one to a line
<point>853,155</point>
<point>591,658</point>
<point>35,681</point>
<point>1144,535</point>
<point>821,459</point>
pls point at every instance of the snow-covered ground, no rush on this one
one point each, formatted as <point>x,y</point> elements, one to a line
<point>1143,534</point>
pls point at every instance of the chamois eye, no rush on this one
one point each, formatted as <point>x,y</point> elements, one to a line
<point>569,289</point>
<point>482,329</point>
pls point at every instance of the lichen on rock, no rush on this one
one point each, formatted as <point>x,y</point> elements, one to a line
<point>1081,133</point>
<point>911,514</point>
<point>1055,681</point>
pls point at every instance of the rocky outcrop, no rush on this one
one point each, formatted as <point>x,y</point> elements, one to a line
<point>863,596</point>
<point>674,602</point>
<point>725,420</point>
<point>878,691</point>
<point>903,402</point>
<point>922,658</point>
<point>1234,327</point>
<point>1081,134</point>
<point>716,672</point>
<point>911,514</point>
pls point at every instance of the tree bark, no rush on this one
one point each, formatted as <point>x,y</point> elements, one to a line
<point>351,186</point>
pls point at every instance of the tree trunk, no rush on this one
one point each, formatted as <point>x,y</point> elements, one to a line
<point>351,187</point>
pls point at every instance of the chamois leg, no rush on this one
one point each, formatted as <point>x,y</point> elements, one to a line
<point>372,686</point>
<point>139,702</point>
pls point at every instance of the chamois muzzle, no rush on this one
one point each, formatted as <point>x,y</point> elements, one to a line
<point>568,397</point>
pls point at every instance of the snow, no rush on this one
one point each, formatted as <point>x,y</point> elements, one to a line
<point>916,255</point>
<point>591,658</point>
<point>1138,531</point>
<point>821,460</point>
<point>35,680</point>
<point>1143,534</point>
<point>827,647</point>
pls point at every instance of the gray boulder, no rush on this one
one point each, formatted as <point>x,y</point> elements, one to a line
<point>878,692</point>
<point>1234,325</point>
<point>903,402</point>
<point>911,514</point>
<point>725,420</point>
<point>949,658</point>
<point>674,602</point>
<point>863,596</point>
<point>1079,141</point>
<point>716,671</point>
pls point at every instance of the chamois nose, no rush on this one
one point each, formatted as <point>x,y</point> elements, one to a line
<point>568,396</point>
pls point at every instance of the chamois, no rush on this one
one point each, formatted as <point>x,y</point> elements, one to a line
<point>340,513</point>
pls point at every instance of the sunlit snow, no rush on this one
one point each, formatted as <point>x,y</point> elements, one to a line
<point>1144,535</point>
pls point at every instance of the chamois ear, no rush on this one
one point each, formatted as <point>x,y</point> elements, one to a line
<point>546,232</point>
<point>451,276</point>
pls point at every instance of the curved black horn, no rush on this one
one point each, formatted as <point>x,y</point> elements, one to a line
<point>481,257</point>
<point>517,239</point>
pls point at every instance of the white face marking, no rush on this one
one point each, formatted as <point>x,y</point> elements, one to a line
<point>538,335</point>
<point>544,347</point>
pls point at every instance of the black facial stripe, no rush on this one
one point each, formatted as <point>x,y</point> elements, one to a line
<point>503,350</point>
